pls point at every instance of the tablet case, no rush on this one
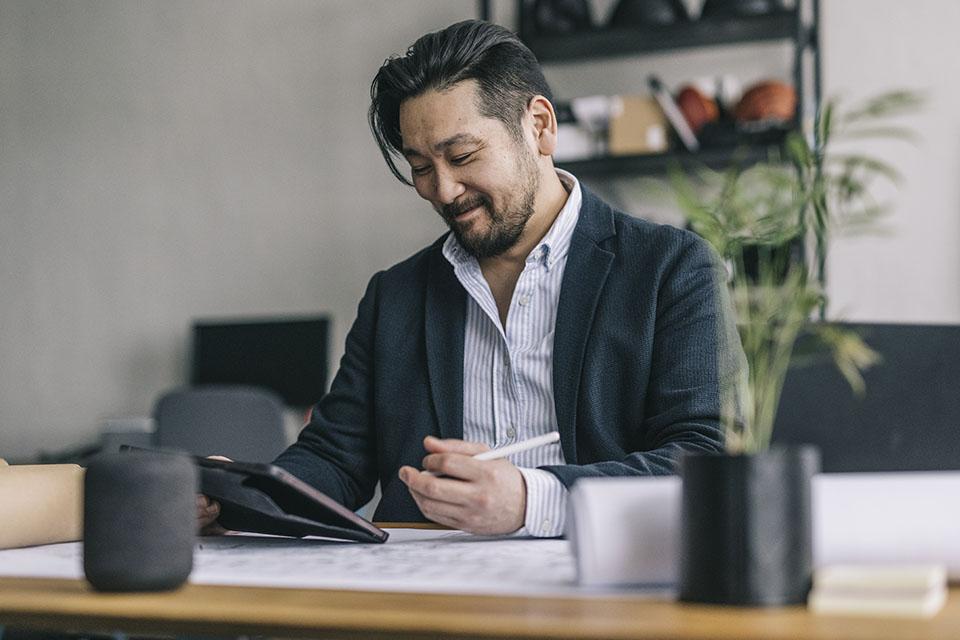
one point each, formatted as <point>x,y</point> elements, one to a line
<point>263,498</point>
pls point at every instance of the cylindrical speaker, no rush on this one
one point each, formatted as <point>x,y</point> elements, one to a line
<point>139,521</point>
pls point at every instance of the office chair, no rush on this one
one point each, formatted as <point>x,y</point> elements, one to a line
<point>240,422</point>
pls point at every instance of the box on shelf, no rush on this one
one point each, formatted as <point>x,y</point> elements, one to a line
<point>637,126</point>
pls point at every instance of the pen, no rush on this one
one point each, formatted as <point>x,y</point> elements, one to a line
<point>516,447</point>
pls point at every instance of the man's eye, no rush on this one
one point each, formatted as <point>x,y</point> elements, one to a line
<point>421,171</point>
<point>462,158</point>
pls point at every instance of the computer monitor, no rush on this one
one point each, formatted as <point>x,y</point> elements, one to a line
<point>909,418</point>
<point>286,355</point>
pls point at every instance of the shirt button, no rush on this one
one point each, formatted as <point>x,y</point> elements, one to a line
<point>524,300</point>
<point>511,433</point>
<point>545,526</point>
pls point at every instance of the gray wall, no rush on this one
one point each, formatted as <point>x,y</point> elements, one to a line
<point>162,160</point>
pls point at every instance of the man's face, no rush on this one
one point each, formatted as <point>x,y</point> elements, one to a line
<point>478,177</point>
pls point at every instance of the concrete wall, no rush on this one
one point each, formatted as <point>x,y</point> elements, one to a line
<point>165,160</point>
<point>911,273</point>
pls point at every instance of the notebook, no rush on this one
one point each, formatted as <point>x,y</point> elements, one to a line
<point>891,590</point>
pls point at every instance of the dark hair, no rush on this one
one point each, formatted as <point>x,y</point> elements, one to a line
<point>507,72</point>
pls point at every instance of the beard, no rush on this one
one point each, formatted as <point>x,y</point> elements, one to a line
<point>506,224</point>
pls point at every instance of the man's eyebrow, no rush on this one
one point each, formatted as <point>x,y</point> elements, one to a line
<point>458,138</point>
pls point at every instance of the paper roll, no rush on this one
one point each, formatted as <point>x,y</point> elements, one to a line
<point>40,504</point>
<point>625,531</point>
<point>887,517</point>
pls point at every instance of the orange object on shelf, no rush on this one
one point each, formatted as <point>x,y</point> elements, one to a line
<point>697,108</point>
<point>767,100</point>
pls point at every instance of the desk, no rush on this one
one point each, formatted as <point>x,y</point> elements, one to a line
<point>72,605</point>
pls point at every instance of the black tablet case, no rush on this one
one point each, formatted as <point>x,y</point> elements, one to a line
<point>263,498</point>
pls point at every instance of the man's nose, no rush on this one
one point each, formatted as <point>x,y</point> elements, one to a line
<point>448,187</point>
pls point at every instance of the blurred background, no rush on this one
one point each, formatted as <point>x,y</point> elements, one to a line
<point>172,163</point>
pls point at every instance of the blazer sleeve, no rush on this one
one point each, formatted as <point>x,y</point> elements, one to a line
<point>336,451</point>
<point>696,356</point>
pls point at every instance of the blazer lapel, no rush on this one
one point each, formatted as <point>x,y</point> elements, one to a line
<point>445,318</point>
<point>584,276</point>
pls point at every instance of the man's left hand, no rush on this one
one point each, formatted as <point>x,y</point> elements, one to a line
<point>487,497</point>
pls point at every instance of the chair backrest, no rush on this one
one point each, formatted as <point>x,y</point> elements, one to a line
<point>240,422</point>
<point>909,418</point>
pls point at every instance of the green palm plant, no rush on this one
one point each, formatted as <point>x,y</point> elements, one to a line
<point>777,212</point>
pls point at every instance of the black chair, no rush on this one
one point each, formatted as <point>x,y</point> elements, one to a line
<point>240,422</point>
<point>909,418</point>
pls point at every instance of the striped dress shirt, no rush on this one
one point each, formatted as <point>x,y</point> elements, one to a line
<point>508,371</point>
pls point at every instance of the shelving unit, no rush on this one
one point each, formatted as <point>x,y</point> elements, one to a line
<point>658,163</point>
<point>797,25</point>
<point>621,41</point>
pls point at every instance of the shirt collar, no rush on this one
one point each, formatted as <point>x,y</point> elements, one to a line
<point>553,246</point>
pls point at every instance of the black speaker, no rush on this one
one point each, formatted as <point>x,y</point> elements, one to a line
<point>139,521</point>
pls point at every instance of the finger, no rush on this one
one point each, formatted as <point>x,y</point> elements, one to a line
<point>452,445</point>
<point>427,486</point>
<point>205,520</point>
<point>440,512</point>
<point>454,465</point>
<point>212,529</point>
<point>206,503</point>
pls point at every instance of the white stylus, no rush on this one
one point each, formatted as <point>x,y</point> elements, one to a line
<point>516,447</point>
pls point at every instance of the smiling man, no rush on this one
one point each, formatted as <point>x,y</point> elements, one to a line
<point>543,309</point>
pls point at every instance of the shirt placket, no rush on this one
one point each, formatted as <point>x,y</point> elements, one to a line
<point>519,336</point>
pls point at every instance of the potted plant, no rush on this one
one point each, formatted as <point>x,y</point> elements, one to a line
<point>746,536</point>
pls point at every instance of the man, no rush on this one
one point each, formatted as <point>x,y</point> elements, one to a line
<point>543,309</point>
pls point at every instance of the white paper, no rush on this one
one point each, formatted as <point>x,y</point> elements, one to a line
<point>413,560</point>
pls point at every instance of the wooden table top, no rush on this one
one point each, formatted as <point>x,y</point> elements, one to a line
<point>71,605</point>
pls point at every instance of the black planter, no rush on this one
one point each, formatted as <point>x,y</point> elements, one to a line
<point>746,536</point>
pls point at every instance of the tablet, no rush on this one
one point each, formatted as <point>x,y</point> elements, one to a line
<point>263,498</point>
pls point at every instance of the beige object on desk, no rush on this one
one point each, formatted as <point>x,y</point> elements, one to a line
<point>40,504</point>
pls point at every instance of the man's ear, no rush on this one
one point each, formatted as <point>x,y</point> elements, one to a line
<point>544,118</point>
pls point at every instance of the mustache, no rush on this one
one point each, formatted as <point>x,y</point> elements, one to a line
<point>452,210</point>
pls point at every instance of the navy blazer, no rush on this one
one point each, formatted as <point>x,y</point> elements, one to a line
<point>643,343</point>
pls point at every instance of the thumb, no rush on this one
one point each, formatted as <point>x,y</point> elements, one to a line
<point>453,445</point>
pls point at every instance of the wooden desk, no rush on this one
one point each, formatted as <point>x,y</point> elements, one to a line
<point>72,605</point>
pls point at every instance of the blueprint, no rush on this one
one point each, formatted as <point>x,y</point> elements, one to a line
<point>413,560</point>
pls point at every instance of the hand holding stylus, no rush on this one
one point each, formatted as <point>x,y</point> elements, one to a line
<point>468,486</point>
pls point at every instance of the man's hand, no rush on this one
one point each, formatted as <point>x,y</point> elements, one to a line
<point>487,497</point>
<point>209,510</point>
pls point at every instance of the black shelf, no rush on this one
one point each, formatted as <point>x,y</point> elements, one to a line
<point>619,41</point>
<point>658,163</point>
